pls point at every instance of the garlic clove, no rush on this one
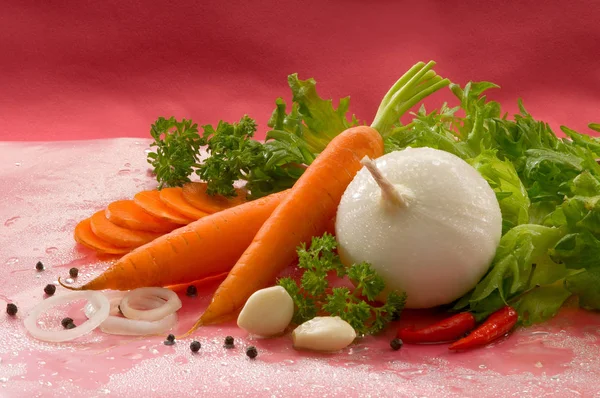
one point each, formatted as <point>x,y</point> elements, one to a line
<point>325,333</point>
<point>267,312</point>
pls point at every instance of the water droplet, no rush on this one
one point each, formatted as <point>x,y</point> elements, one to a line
<point>11,221</point>
<point>3,379</point>
<point>41,363</point>
<point>124,172</point>
<point>538,365</point>
<point>104,391</point>
<point>482,367</point>
<point>154,351</point>
<point>12,261</point>
<point>17,164</point>
<point>127,165</point>
<point>147,151</point>
<point>51,250</point>
<point>435,162</point>
<point>68,281</point>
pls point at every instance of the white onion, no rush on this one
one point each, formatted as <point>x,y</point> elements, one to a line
<point>171,305</point>
<point>429,225</point>
<point>56,336</point>
<point>130,327</point>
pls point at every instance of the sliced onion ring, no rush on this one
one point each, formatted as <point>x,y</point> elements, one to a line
<point>171,305</point>
<point>56,336</point>
<point>130,327</point>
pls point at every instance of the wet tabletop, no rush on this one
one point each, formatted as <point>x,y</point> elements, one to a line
<point>46,188</point>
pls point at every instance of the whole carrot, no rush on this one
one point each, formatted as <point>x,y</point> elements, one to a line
<point>304,213</point>
<point>495,326</point>
<point>448,329</point>
<point>206,247</point>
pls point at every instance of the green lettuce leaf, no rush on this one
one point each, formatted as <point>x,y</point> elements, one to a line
<point>511,194</point>
<point>312,119</point>
<point>541,304</point>
<point>585,285</point>
<point>578,250</point>
<point>513,271</point>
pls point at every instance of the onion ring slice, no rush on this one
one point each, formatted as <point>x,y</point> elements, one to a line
<point>171,305</point>
<point>57,336</point>
<point>129,327</point>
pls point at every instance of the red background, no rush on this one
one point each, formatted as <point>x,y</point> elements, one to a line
<point>92,69</point>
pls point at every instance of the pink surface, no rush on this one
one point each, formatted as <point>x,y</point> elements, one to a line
<point>94,69</point>
<point>48,187</point>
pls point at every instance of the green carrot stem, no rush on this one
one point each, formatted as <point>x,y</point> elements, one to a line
<point>416,84</point>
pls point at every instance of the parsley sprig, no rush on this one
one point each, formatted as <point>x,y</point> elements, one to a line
<point>177,150</point>
<point>313,297</point>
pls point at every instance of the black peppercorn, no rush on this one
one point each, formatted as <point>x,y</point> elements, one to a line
<point>228,342</point>
<point>66,321</point>
<point>396,344</point>
<point>11,309</point>
<point>70,325</point>
<point>251,352</point>
<point>73,272</point>
<point>195,346</point>
<point>191,291</point>
<point>170,340</point>
<point>39,266</point>
<point>50,289</point>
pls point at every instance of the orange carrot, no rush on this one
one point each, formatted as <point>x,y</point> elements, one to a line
<point>86,237</point>
<point>195,194</point>
<point>150,202</point>
<point>119,236</point>
<point>306,212</point>
<point>204,248</point>
<point>126,214</point>
<point>173,198</point>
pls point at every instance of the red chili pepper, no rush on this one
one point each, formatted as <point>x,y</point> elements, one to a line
<point>448,329</point>
<point>496,325</point>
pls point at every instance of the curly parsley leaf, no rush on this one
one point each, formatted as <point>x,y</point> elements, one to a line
<point>311,296</point>
<point>232,155</point>
<point>177,150</point>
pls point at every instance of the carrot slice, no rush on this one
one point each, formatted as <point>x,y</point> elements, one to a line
<point>205,248</point>
<point>119,236</point>
<point>150,202</point>
<point>126,214</point>
<point>173,197</point>
<point>85,236</point>
<point>195,194</point>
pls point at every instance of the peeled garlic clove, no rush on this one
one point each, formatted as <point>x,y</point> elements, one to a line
<point>326,333</point>
<point>267,312</point>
